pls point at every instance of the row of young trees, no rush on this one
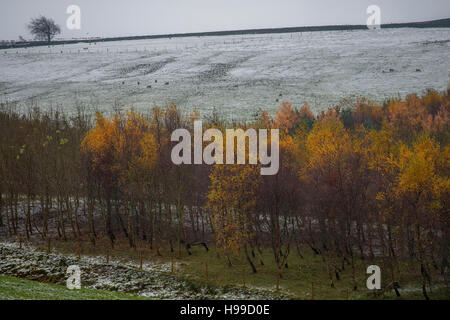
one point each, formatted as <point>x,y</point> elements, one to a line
<point>358,181</point>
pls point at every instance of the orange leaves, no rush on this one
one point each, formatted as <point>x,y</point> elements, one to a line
<point>416,115</point>
<point>306,113</point>
<point>286,117</point>
<point>95,140</point>
<point>405,119</point>
<point>100,145</point>
<point>265,120</point>
<point>115,146</point>
<point>368,114</point>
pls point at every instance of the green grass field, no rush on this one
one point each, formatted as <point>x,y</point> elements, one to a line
<point>297,280</point>
<point>301,275</point>
<point>12,288</point>
<point>20,289</point>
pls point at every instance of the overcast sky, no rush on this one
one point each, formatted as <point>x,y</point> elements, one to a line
<point>144,17</point>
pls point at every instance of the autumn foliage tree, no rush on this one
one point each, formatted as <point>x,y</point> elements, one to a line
<point>360,182</point>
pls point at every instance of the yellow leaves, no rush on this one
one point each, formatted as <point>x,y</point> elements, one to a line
<point>381,196</point>
<point>290,152</point>
<point>326,144</point>
<point>417,167</point>
<point>149,156</point>
<point>422,177</point>
<point>234,185</point>
<point>117,145</point>
<point>379,150</point>
<point>232,199</point>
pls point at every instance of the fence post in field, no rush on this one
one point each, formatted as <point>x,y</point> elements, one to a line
<point>20,241</point>
<point>277,287</point>
<point>79,251</point>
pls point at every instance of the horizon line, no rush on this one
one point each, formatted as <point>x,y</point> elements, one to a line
<point>437,23</point>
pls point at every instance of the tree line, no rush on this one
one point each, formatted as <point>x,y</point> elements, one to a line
<point>361,180</point>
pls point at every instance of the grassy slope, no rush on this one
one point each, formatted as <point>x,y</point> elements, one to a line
<point>14,289</point>
<point>296,281</point>
<point>301,273</point>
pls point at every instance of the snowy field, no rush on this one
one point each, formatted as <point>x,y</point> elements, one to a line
<point>236,74</point>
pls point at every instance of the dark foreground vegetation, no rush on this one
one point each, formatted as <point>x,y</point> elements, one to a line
<point>359,184</point>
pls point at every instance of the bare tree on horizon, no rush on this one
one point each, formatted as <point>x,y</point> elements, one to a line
<point>43,28</point>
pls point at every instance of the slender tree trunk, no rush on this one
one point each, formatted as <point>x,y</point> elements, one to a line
<point>90,212</point>
<point>252,265</point>
<point>1,209</point>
